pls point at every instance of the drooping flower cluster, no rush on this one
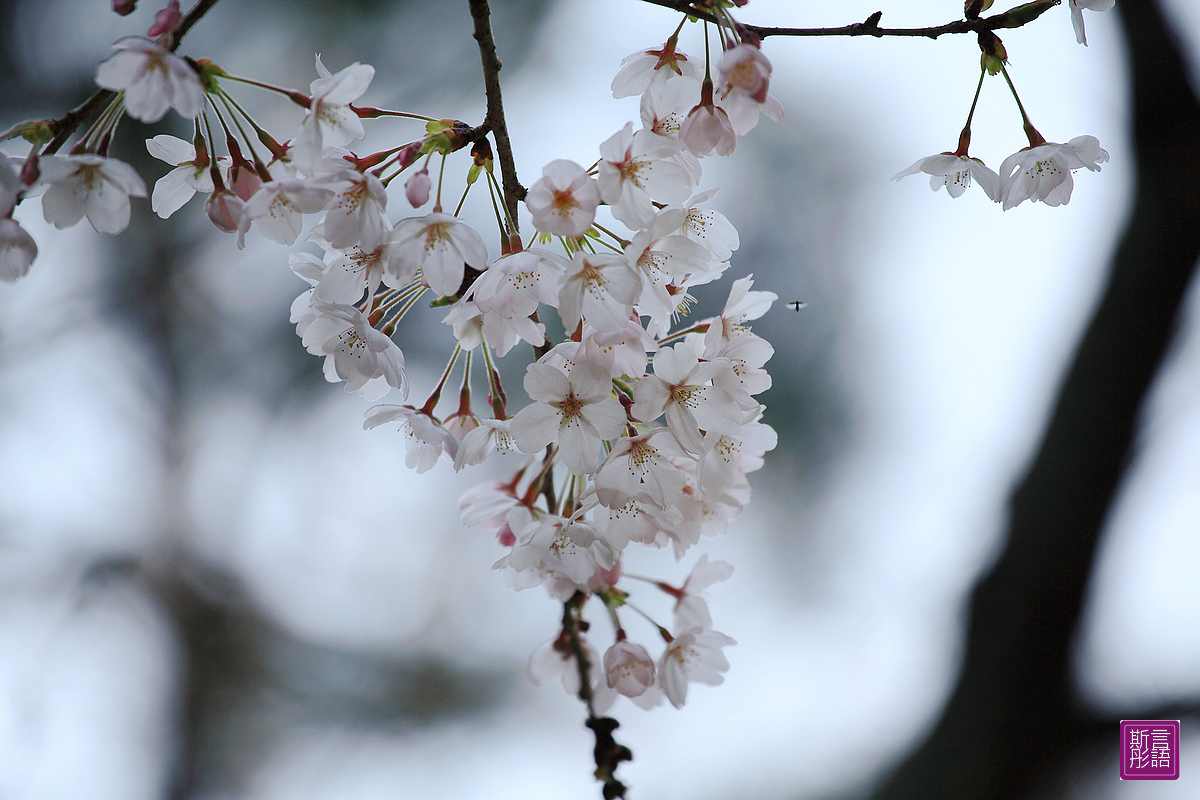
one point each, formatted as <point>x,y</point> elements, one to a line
<point>650,425</point>
<point>1041,171</point>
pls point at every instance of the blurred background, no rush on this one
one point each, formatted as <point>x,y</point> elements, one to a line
<point>214,584</point>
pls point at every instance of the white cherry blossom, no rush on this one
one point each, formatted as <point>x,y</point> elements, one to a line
<point>635,521</point>
<point>440,246</point>
<point>641,468</point>
<point>693,656</point>
<point>425,438</point>
<point>330,122</point>
<point>11,186</point>
<point>491,435</point>
<point>728,457</point>
<point>355,352</point>
<point>356,216</point>
<point>745,75</point>
<point>628,668</point>
<point>691,609</point>
<point>174,189</point>
<point>601,288</point>
<point>635,173</point>
<point>680,390</point>
<point>641,69</point>
<point>1044,172</point>
<point>278,208</point>
<point>514,285</point>
<point>707,130</point>
<point>563,201</point>
<point>153,78</point>
<point>554,660</point>
<point>576,411</point>
<point>664,256</point>
<point>487,505</point>
<point>17,248</point>
<point>563,553</point>
<point>709,227</point>
<point>742,306</point>
<point>748,353</point>
<point>1077,7</point>
<point>89,185</point>
<point>955,172</point>
<point>227,212</point>
<point>665,104</point>
<point>472,326</point>
<point>623,350</point>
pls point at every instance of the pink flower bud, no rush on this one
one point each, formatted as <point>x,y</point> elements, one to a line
<point>244,182</point>
<point>409,154</point>
<point>417,188</point>
<point>604,579</point>
<point>224,209</point>
<point>29,170</point>
<point>166,20</point>
<point>124,7</point>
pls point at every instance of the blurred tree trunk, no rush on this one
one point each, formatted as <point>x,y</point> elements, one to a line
<point>1014,719</point>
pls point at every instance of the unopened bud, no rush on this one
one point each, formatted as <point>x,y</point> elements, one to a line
<point>417,188</point>
<point>30,171</point>
<point>167,20</point>
<point>244,181</point>
<point>409,154</point>
<point>124,7</point>
<point>225,210</point>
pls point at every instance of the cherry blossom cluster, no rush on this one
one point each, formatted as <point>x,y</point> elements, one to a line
<point>639,425</point>
<point>654,427</point>
<point>637,430</point>
<point>1043,170</point>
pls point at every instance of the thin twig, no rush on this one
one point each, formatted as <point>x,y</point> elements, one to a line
<point>67,125</point>
<point>870,27</point>
<point>513,190</point>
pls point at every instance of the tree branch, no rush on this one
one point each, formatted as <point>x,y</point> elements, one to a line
<point>1013,18</point>
<point>67,125</point>
<point>607,752</point>
<point>513,190</point>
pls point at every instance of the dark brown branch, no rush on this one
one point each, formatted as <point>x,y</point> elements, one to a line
<point>64,127</point>
<point>1013,18</point>
<point>513,190</point>
<point>607,752</point>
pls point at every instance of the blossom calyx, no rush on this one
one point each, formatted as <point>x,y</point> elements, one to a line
<point>994,56</point>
